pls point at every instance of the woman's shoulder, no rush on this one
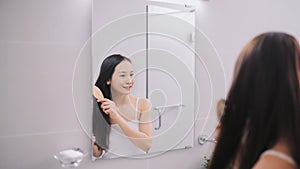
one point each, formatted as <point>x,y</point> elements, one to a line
<point>144,104</point>
<point>274,160</point>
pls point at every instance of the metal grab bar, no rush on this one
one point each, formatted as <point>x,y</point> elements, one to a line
<point>168,106</point>
<point>203,139</point>
<point>159,121</point>
<point>161,108</point>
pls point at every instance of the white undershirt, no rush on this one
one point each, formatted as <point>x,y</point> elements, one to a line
<point>280,155</point>
<point>119,144</point>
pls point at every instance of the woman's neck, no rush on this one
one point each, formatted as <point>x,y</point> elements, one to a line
<point>120,99</point>
<point>282,146</point>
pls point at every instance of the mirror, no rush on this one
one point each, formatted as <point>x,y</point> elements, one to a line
<point>161,47</point>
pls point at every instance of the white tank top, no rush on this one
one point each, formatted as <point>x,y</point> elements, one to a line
<point>281,156</point>
<point>119,144</point>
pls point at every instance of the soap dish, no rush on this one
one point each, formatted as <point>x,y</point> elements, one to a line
<point>70,157</point>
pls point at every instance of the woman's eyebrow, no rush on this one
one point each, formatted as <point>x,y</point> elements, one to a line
<point>122,71</point>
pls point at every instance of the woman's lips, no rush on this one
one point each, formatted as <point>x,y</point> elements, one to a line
<point>128,87</point>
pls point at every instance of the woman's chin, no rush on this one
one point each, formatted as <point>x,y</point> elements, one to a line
<point>126,92</point>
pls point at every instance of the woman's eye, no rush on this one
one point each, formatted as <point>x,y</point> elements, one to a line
<point>122,75</point>
<point>131,74</point>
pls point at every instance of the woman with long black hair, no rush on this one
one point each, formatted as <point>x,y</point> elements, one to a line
<point>129,116</point>
<point>261,123</point>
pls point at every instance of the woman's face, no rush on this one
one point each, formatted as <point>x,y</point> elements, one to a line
<point>122,78</point>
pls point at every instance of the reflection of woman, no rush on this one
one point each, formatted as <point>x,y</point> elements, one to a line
<point>129,116</point>
<point>261,123</point>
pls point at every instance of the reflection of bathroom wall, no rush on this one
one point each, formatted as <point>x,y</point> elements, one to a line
<point>172,95</point>
<point>104,13</point>
<point>172,74</point>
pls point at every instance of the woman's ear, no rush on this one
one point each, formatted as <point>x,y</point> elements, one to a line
<point>108,82</point>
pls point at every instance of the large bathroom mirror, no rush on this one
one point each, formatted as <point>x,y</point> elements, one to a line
<point>161,73</point>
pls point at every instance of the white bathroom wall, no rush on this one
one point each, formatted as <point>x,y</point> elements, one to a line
<point>231,24</point>
<point>39,44</point>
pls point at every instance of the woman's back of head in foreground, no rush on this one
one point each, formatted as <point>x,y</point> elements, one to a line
<point>263,104</point>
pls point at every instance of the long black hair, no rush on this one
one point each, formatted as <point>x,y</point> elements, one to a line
<point>106,71</point>
<point>263,104</point>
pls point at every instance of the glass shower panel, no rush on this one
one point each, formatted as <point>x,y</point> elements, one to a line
<point>171,60</point>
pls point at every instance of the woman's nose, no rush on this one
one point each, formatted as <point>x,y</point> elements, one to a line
<point>129,80</point>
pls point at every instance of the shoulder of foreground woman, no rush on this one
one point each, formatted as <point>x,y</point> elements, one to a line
<point>273,162</point>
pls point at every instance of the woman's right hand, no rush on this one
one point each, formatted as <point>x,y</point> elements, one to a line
<point>109,107</point>
<point>97,94</point>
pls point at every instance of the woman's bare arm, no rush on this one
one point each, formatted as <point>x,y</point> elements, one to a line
<point>142,138</point>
